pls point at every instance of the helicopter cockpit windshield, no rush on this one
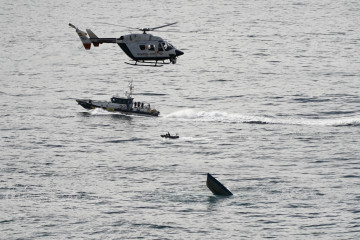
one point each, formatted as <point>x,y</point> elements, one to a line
<point>167,46</point>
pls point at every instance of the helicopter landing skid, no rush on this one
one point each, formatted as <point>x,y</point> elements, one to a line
<point>144,64</point>
<point>148,63</point>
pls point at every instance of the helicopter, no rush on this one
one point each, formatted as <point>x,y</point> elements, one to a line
<point>142,48</point>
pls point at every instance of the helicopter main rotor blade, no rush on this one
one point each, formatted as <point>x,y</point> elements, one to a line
<point>163,26</point>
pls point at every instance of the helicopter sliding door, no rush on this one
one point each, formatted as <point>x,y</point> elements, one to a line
<point>160,49</point>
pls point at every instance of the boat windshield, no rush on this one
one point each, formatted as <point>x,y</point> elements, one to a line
<point>121,100</point>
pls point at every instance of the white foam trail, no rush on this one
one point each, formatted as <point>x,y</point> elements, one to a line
<point>100,111</point>
<point>219,116</point>
<point>195,139</point>
<point>103,112</point>
<point>184,139</point>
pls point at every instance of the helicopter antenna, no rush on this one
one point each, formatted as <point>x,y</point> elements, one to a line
<point>152,29</point>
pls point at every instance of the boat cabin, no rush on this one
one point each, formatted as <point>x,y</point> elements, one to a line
<point>126,101</point>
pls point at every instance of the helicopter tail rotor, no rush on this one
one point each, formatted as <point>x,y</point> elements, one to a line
<point>83,37</point>
<point>72,26</point>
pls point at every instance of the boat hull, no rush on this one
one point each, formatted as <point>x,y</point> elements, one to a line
<point>114,107</point>
<point>167,136</point>
<point>216,187</point>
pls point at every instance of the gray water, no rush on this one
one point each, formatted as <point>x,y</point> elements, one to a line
<point>265,98</point>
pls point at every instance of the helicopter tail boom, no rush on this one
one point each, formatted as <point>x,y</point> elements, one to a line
<point>92,36</point>
<point>95,40</point>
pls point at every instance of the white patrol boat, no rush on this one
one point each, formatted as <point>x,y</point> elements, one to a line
<point>124,104</point>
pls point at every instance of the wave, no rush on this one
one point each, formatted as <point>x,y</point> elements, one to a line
<point>219,116</point>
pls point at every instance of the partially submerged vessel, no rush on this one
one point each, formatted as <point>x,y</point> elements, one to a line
<point>216,187</point>
<point>123,104</point>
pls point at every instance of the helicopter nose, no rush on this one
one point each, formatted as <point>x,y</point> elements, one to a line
<point>178,52</point>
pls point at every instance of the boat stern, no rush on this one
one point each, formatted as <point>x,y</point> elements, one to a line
<point>154,112</point>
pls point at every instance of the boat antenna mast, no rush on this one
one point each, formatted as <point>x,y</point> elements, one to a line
<point>131,88</point>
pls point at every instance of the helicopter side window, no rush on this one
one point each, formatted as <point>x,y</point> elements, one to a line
<point>151,47</point>
<point>142,47</point>
<point>160,47</point>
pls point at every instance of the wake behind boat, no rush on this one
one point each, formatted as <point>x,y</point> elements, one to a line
<point>124,104</point>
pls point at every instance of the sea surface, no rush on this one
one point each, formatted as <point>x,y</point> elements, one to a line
<point>266,98</point>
